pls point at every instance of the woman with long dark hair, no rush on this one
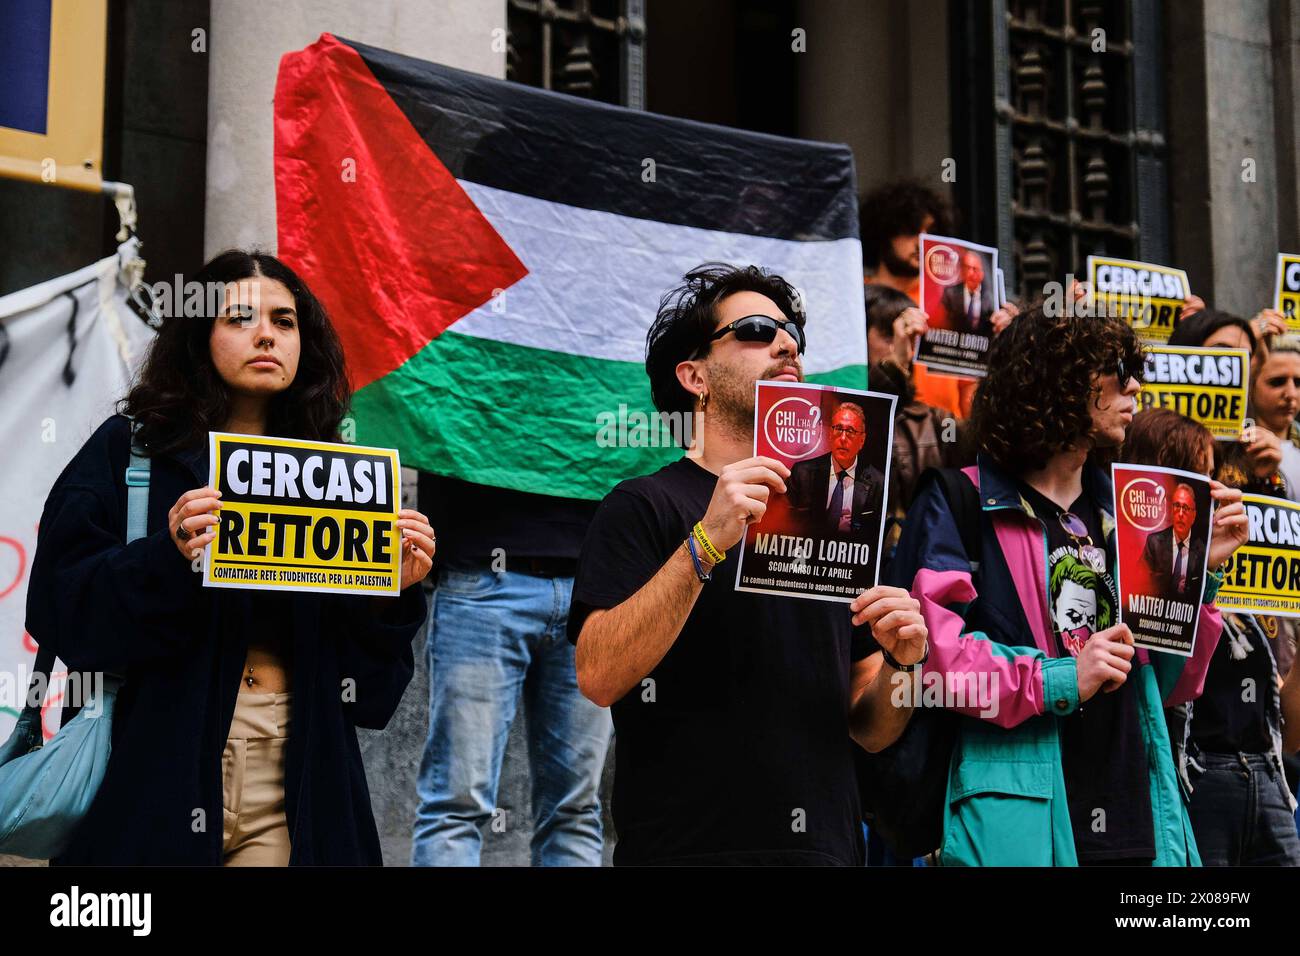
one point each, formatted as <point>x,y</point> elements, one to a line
<point>234,735</point>
<point>1254,463</point>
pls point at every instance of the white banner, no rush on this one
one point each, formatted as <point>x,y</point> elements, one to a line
<point>59,379</point>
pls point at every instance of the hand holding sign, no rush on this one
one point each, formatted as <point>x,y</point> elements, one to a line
<point>1268,322</point>
<point>1105,661</point>
<point>895,619</point>
<point>1231,524</point>
<point>1003,316</point>
<point>908,329</point>
<point>418,546</point>
<point>193,522</point>
<point>1263,450</point>
<point>740,498</point>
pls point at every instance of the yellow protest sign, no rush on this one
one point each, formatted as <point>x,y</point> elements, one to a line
<point>1263,576</point>
<point>1286,289</point>
<point>1148,297</point>
<point>1207,385</point>
<point>304,516</point>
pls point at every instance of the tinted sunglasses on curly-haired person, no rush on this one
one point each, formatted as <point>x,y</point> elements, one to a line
<point>1127,368</point>
<point>762,328</point>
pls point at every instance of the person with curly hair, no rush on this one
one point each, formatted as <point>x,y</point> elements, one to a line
<point>1066,767</point>
<point>891,218</point>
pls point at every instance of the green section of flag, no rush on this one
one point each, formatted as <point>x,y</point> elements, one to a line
<point>533,420</point>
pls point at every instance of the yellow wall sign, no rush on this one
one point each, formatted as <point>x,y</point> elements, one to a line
<point>1263,576</point>
<point>1148,297</point>
<point>52,104</point>
<point>304,516</point>
<point>1207,385</point>
<point>1286,290</point>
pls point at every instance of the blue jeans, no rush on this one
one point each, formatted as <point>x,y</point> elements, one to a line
<point>1240,813</point>
<point>491,635</point>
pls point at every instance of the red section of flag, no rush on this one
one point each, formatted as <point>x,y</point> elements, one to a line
<point>370,218</point>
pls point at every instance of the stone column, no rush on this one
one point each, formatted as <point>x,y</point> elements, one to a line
<point>1232,124</point>
<point>247,39</point>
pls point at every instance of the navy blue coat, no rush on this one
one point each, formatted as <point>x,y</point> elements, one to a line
<point>141,611</point>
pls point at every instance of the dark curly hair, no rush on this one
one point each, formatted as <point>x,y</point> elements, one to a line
<point>898,209</point>
<point>179,396</point>
<point>686,318</point>
<point>1042,383</point>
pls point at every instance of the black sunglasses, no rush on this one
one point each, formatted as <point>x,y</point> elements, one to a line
<point>762,328</point>
<point>1126,369</point>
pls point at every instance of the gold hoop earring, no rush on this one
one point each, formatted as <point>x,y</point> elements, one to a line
<point>704,400</point>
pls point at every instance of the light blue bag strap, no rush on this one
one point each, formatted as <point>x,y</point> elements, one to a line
<point>137,491</point>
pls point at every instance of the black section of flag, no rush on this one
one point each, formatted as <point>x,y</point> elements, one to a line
<point>563,149</point>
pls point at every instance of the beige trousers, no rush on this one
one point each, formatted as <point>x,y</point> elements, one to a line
<point>254,829</point>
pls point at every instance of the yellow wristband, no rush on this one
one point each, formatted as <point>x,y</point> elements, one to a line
<point>702,539</point>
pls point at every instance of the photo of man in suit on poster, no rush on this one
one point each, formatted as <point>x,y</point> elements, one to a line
<point>1173,555</point>
<point>840,491</point>
<point>970,303</point>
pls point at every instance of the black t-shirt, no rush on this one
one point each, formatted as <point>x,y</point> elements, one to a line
<point>1231,715</point>
<point>739,751</point>
<point>473,520</point>
<point>1103,755</point>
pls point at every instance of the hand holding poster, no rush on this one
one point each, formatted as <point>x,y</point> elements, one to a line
<point>1148,297</point>
<point>1286,291</point>
<point>1263,575</point>
<point>1163,519</point>
<point>1209,386</point>
<point>959,296</point>
<point>304,516</point>
<point>822,538</point>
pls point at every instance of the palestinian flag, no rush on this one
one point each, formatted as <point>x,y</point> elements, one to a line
<point>492,255</point>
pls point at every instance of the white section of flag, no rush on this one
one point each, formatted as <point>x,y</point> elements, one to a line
<point>595,278</point>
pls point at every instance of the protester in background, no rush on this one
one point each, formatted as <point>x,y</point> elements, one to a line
<point>924,436</point>
<point>495,640</point>
<point>733,710</point>
<point>232,741</point>
<point>1228,742</point>
<point>1209,328</point>
<point>891,220</point>
<point>1275,399</point>
<point>1034,624</point>
<point>1251,464</point>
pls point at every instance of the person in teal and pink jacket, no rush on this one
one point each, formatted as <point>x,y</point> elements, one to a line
<point>1062,757</point>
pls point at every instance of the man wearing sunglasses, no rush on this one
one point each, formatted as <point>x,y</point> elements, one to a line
<point>840,490</point>
<point>1071,765</point>
<point>735,712</point>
